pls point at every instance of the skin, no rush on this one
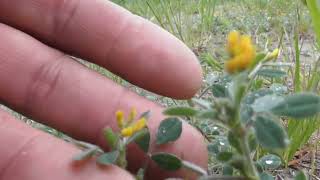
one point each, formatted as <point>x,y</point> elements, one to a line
<point>39,79</point>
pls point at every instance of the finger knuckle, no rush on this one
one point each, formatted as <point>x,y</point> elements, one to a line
<point>65,11</point>
<point>43,82</point>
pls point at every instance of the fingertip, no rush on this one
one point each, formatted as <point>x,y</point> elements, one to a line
<point>181,74</point>
<point>39,156</point>
<point>192,80</point>
<point>158,61</point>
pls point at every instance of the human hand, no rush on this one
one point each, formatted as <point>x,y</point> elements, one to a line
<point>41,81</point>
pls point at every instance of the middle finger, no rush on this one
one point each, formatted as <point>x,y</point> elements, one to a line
<point>51,87</point>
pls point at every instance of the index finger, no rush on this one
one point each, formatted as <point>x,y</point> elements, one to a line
<point>30,154</point>
<point>110,36</point>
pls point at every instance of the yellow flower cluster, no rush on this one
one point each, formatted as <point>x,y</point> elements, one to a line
<point>241,51</point>
<point>128,128</point>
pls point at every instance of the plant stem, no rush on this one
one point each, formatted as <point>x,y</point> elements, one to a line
<point>240,129</point>
<point>194,168</point>
<point>251,168</point>
<point>254,72</point>
<point>122,161</point>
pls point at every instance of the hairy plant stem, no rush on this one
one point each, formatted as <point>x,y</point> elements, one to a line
<point>122,161</point>
<point>241,132</point>
<point>239,129</point>
<point>250,166</point>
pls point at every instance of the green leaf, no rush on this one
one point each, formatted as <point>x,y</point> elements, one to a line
<point>266,176</point>
<point>86,154</point>
<point>270,161</point>
<point>208,114</point>
<point>169,130</point>
<point>219,90</point>
<point>224,156</point>
<point>108,158</point>
<point>111,137</point>
<point>271,73</point>
<point>227,170</point>
<point>246,113</point>
<point>266,103</point>
<point>202,103</point>
<point>213,148</point>
<point>208,128</point>
<point>246,109</point>
<point>269,133</point>
<point>220,144</point>
<point>180,111</point>
<point>141,138</point>
<point>238,163</point>
<point>279,89</point>
<point>258,167</point>
<point>259,57</point>
<point>167,161</point>
<point>301,176</point>
<point>251,97</point>
<point>299,105</point>
<point>234,142</point>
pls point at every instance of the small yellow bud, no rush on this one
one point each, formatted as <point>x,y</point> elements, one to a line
<point>120,118</point>
<point>243,62</point>
<point>140,124</point>
<point>127,132</point>
<point>246,59</point>
<point>232,65</point>
<point>232,42</point>
<point>132,115</point>
<point>274,54</point>
<point>245,43</point>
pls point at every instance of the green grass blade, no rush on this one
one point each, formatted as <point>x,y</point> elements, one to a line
<point>297,82</point>
<point>299,133</point>
<point>314,8</point>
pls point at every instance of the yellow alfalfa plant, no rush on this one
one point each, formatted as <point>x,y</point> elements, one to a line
<point>250,117</point>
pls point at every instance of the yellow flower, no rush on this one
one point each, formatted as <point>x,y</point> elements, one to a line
<point>241,50</point>
<point>126,126</point>
<point>127,132</point>
<point>140,124</point>
<point>120,118</point>
<point>233,42</point>
<point>132,115</point>
<point>232,65</point>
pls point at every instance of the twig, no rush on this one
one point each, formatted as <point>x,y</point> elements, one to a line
<point>204,91</point>
<point>194,168</point>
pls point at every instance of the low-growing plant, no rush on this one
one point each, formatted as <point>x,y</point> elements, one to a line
<point>133,130</point>
<point>253,137</point>
<point>251,117</point>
